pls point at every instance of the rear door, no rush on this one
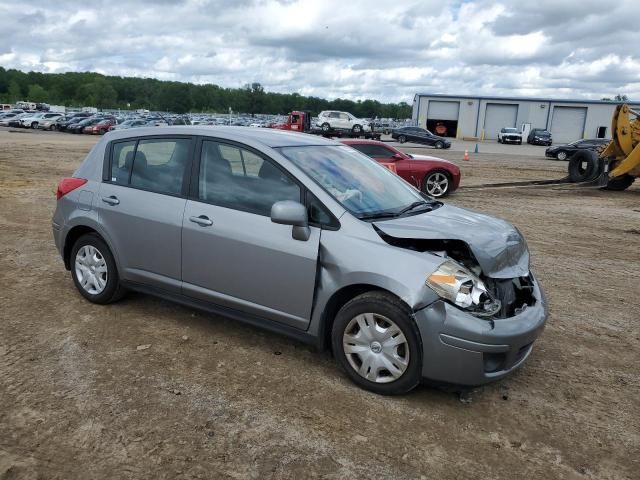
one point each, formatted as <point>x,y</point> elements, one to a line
<point>343,120</point>
<point>424,136</point>
<point>232,254</point>
<point>141,204</point>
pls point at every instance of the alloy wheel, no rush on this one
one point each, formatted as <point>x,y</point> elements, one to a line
<point>376,348</point>
<point>437,184</point>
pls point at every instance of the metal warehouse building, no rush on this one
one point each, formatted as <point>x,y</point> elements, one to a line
<point>482,117</point>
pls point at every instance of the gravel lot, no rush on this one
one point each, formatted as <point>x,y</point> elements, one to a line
<point>210,398</point>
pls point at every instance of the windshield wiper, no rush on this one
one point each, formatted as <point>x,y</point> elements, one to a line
<point>412,206</point>
<point>380,214</point>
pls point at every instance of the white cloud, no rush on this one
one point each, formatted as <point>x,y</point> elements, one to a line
<point>330,48</point>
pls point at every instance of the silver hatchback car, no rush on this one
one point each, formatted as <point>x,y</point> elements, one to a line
<point>308,237</point>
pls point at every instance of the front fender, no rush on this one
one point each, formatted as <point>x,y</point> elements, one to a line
<point>346,261</point>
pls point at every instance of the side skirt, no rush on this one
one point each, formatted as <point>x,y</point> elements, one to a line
<point>264,323</point>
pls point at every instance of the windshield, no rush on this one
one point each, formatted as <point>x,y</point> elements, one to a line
<point>362,186</point>
<point>510,130</point>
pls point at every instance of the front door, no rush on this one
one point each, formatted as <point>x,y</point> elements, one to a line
<point>232,254</point>
<point>141,207</point>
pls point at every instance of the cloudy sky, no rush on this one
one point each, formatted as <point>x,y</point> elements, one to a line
<point>382,49</point>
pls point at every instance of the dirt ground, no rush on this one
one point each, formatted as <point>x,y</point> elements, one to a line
<point>211,398</point>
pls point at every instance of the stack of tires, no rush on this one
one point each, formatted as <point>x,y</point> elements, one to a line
<point>586,166</point>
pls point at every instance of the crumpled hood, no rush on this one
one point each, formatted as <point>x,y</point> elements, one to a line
<point>498,247</point>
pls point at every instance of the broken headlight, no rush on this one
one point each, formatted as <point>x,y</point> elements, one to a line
<point>464,289</point>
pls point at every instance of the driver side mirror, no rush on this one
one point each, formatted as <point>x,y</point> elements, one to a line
<point>397,156</point>
<point>288,212</point>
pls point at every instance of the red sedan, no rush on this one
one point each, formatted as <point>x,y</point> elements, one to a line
<point>434,176</point>
<point>99,128</point>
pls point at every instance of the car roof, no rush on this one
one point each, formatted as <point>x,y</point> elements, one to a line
<point>266,136</point>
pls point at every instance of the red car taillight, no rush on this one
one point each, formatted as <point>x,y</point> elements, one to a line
<point>67,185</point>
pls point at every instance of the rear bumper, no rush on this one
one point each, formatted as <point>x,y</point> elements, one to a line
<point>56,228</point>
<point>461,349</point>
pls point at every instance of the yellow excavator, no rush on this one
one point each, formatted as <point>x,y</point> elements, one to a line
<point>618,164</point>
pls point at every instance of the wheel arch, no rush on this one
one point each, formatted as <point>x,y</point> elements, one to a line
<point>74,234</point>
<point>337,300</point>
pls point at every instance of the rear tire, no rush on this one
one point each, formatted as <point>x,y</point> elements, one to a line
<point>94,270</point>
<point>583,166</point>
<point>381,315</point>
<point>620,183</point>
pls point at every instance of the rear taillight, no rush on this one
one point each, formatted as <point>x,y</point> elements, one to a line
<point>67,185</point>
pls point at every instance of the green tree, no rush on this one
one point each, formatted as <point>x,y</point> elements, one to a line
<point>37,94</point>
<point>15,92</point>
<point>93,89</point>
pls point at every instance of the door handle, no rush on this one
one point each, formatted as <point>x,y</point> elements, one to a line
<point>202,220</point>
<point>112,200</point>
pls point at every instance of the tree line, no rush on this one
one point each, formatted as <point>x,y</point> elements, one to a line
<point>112,92</point>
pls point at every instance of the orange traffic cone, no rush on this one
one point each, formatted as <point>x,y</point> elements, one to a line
<point>466,156</point>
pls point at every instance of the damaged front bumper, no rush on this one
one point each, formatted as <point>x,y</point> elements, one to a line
<point>462,349</point>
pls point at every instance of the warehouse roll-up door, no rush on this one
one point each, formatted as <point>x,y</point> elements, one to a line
<point>497,116</point>
<point>442,117</point>
<point>443,110</point>
<point>567,124</point>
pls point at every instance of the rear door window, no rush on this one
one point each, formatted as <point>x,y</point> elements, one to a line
<point>159,165</point>
<point>122,161</point>
<point>155,164</point>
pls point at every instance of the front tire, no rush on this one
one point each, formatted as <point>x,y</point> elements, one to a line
<point>437,184</point>
<point>620,183</point>
<point>561,155</point>
<point>94,270</point>
<point>439,145</point>
<point>402,139</point>
<point>325,127</point>
<point>377,343</point>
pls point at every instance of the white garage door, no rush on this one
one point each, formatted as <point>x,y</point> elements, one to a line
<point>439,110</point>
<point>497,116</point>
<point>567,124</point>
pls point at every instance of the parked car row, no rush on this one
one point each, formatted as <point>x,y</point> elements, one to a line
<point>84,122</point>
